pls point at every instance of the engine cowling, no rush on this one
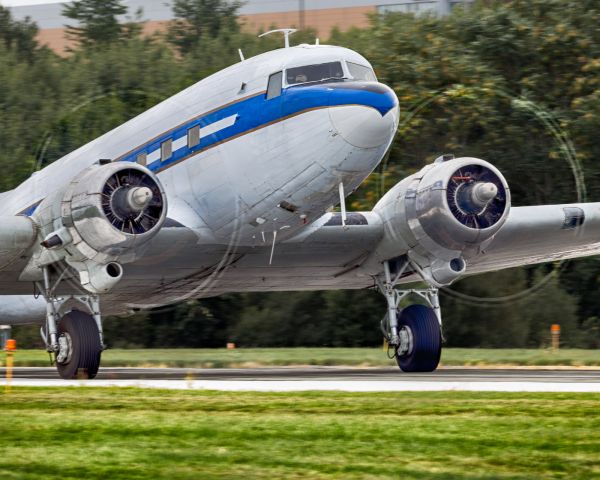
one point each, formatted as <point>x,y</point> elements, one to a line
<point>17,235</point>
<point>443,214</point>
<point>102,219</point>
<point>112,209</point>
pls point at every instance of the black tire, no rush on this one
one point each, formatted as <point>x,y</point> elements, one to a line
<point>86,350</point>
<point>427,339</point>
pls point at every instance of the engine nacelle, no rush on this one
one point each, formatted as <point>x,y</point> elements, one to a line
<point>101,219</point>
<point>442,215</point>
<point>112,209</point>
<point>17,235</point>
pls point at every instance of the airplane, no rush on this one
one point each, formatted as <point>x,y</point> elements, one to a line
<point>228,186</point>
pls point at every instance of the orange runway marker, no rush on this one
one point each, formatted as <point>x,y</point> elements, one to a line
<point>555,336</point>
<point>10,348</point>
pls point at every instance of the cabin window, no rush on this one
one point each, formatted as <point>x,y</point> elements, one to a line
<point>360,72</point>
<point>193,136</point>
<point>274,85</point>
<point>141,158</point>
<point>315,73</point>
<point>166,149</point>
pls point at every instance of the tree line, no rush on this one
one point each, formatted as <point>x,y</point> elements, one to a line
<point>514,82</point>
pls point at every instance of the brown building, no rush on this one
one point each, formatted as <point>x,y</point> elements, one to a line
<point>322,15</point>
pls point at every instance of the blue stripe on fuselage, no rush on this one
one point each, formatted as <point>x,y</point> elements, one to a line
<point>374,95</point>
<point>255,112</point>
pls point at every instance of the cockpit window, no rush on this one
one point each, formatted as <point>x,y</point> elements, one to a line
<point>314,73</point>
<point>360,72</point>
<point>274,85</point>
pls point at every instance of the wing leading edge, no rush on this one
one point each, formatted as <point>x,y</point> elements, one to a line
<point>541,234</point>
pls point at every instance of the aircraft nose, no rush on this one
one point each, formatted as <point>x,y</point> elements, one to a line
<point>371,121</point>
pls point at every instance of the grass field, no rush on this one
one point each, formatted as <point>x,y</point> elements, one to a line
<point>318,356</point>
<point>101,433</point>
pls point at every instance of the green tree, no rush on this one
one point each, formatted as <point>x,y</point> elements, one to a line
<point>30,96</point>
<point>98,22</point>
<point>549,305</point>
<point>190,324</point>
<point>510,308</point>
<point>336,318</point>
<point>18,35</point>
<point>197,20</point>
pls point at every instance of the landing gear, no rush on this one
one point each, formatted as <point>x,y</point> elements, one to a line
<point>79,346</point>
<point>75,340</point>
<point>421,324</point>
<point>413,334</point>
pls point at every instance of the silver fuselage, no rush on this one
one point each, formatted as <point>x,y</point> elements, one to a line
<point>265,170</point>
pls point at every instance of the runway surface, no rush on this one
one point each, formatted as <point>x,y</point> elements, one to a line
<point>286,379</point>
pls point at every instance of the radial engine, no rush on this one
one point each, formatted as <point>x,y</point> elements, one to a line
<point>101,220</point>
<point>442,215</point>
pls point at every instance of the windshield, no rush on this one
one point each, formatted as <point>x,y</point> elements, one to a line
<point>360,72</point>
<point>314,73</point>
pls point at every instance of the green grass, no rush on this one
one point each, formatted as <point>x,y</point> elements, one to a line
<point>100,433</point>
<point>247,357</point>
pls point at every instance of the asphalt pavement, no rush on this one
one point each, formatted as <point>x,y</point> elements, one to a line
<point>324,378</point>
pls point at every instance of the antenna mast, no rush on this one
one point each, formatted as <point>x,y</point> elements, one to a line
<point>286,34</point>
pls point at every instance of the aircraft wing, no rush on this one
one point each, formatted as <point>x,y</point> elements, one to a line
<point>541,234</point>
<point>328,255</point>
<point>5,195</point>
<point>17,236</point>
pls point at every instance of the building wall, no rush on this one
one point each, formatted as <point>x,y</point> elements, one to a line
<point>56,39</point>
<point>322,15</point>
<point>322,20</point>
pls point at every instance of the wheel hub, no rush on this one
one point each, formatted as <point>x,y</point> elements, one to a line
<point>65,348</point>
<point>405,346</point>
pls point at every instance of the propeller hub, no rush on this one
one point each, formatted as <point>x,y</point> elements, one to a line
<point>138,198</point>
<point>483,193</point>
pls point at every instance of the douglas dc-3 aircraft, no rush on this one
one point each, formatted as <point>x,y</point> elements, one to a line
<point>228,186</point>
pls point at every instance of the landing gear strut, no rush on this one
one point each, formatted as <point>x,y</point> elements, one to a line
<point>76,339</point>
<point>414,333</point>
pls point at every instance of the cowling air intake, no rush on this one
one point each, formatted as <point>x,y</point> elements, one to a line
<point>476,196</point>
